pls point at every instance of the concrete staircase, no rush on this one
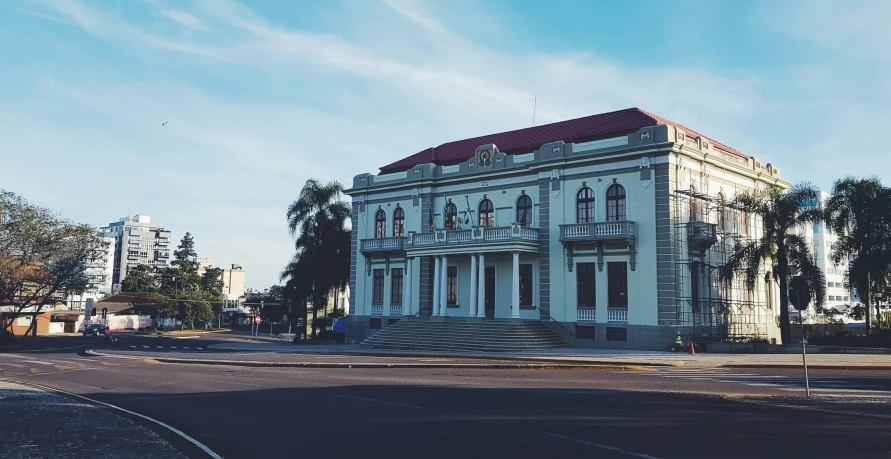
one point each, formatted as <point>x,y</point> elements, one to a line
<point>462,335</point>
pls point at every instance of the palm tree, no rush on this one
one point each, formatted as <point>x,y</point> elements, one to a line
<point>782,213</point>
<point>322,260</point>
<point>859,211</point>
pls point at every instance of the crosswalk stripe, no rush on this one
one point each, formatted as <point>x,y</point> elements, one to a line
<point>39,362</point>
<point>185,347</point>
<point>146,347</point>
<point>133,347</point>
<point>200,348</point>
<point>160,347</point>
<point>13,365</point>
<point>172,347</point>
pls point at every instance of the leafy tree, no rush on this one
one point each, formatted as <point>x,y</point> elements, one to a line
<point>41,254</point>
<point>321,262</point>
<point>859,211</point>
<point>212,282</point>
<point>779,247</point>
<point>140,279</point>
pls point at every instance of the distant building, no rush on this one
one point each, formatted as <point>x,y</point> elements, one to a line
<point>137,242</point>
<point>233,278</point>
<point>822,240</point>
<point>100,270</point>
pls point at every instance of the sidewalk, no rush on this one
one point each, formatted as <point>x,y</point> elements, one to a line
<point>40,424</point>
<point>591,356</point>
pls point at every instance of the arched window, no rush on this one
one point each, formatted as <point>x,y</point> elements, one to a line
<point>450,216</point>
<point>694,205</point>
<point>487,213</point>
<point>380,224</point>
<point>722,213</point>
<point>615,203</point>
<point>524,210</point>
<point>584,202</point>
<point>398,222</point>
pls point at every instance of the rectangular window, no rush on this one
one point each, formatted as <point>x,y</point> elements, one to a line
<point>526,285</point>
<point>377,290</point>
<point>831,298</point>
<point>396,286</point>
<point>585,284</point>
<point>617,334</point>
<point>829,284</point>
<point>583,332</point>
<point>617,280</point>
<point>453,285</point>
<point>846,299</point>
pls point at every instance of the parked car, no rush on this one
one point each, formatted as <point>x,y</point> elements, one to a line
<point>94,329</point>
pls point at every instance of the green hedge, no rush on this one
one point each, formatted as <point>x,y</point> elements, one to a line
<point>881,339</point>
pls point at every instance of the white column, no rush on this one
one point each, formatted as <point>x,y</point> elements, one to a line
<point>473,279</point>
<point>515,289</point>
<point>436,280</point>
<point>481,288</point>
<point>444,288</point>
<point>406,279</point>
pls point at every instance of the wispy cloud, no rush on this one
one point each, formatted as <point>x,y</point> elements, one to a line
<point>184,19</point>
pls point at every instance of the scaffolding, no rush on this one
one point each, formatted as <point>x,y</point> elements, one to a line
<point>705,231</point>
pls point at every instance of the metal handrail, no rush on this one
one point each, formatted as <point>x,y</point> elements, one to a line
<point>555,321</point>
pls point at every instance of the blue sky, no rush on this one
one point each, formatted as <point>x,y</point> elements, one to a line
<point>261,95</point>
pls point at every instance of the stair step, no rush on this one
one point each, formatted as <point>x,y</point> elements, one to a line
<point>490,335</point>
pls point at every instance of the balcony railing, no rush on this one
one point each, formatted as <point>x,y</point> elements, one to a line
<point>598,231</point>
<point>586,314</point>
<point>476,235</point>
<point>377,309</point>
<point>617,315</point>
<point>383,244</point>
<point>395,309</point>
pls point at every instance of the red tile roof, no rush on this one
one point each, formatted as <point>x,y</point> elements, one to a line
<point>589,128</point>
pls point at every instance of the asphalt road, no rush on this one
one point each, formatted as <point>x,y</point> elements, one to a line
<point>669,413</point>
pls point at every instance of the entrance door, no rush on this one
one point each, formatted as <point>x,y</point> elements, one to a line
<point>490,292</point>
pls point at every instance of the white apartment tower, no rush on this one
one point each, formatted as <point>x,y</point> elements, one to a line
<point>137,242</point>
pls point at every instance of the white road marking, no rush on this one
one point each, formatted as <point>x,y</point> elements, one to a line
<point>160,347</point>
<point>172,347</point>
<point>200,445</point>
<point>133,347</point>
<point>185,347</point>
<point>374,400</point>
<point>598,445</point>
<point>200,348</point>
<point>13,365</point>
<point>39,362</point>
<point>80,359</point>
<point>146,347</point>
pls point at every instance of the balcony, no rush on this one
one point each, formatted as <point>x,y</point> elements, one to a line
<point>701,235</point>
<point>597,231</point>
<point>514,237</point>
<point>377,309</point>
<point>395,309</point>
<point>383,244</point>
<point>585,314</point>
<point>617,315</point>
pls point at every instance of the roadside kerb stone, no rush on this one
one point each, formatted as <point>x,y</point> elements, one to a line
<point>257,363</point>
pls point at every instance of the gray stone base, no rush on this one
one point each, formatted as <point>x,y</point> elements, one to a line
<point>639,337</point>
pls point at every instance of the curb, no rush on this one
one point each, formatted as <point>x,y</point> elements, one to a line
<point>502,366</point>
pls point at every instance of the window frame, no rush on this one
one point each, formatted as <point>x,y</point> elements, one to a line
<point>450,215</point>
<point>527,288</point>
<point>528,220</point>
<point>398,222</point>
<point>377,286</point>
<point>589,271</point>
<point>452,285</point>
<point>617,204</point>
<point>396,277</point>
<point>489,212</point>
<point>617,284</point>
<point>380,224</point>
<point>586,203</point>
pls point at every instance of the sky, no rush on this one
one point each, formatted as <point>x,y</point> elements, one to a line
<point>259,96</point>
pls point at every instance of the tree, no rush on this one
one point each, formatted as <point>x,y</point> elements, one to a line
<point>41,254</point>
<point>318,216</point>
<point>859,212</point>
<point>184,255</point>
<point>786,252</point>
<point>140,279</point>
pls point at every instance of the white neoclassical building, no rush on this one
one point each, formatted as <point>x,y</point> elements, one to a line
<point>610,229</point>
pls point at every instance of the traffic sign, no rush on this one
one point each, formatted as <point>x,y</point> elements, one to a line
<point>799,293</point>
